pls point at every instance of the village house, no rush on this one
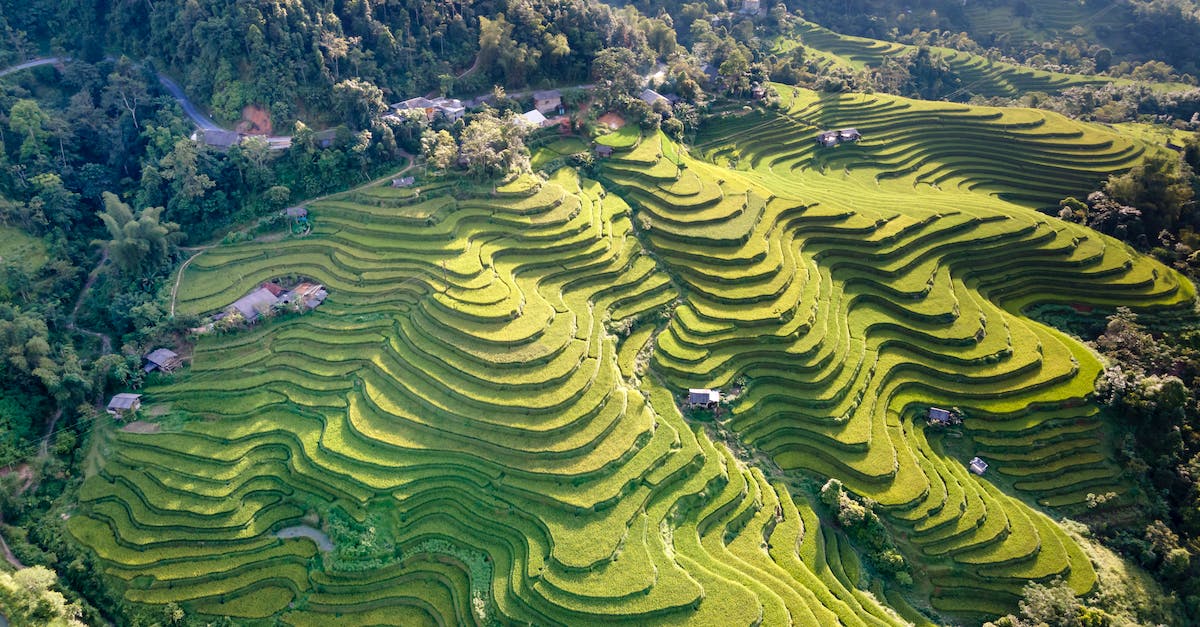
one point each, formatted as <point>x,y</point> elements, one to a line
<point>163,359</point>
<point>452,108</point>
<point>124,404</point>
<point>758,92</point>
<point>703,397</point>
<point>978,466</point>
<point>604,151</point>
<point>942,417</point>
<point>650,97</point>
<point>217,138</point>
<point>404,181</point>
<point>832,138</point>
<point>306,295</point>
<point>827,138</point>
<point>534,118</point>
<point>296,213</point>
<point>548,101</point>
<point>258,302</point>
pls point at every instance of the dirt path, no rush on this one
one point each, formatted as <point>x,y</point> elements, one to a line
<point>105,341</point>
<point>8,554</point>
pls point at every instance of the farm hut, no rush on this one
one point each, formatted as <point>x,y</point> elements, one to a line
<point>163,359</point>
<point>604,151</point>
<point>703,397</point>
<point>849,135</point>
<point>257,302</point>
<point>296,212</point>
<point>827,138</point>
<point>548,101</point>
<point>124,403</point>
<point>758,92</point>
<point>940,417</point>
<point>978,466</point>
<point>404,181</point>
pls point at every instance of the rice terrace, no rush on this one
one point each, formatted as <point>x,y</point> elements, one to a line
<point>487,413</point>
<point>754,313</point>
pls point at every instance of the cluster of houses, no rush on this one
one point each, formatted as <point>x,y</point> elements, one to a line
<point>270,297</point>
<point>547,108</point>
<point>161,359</point>
<point>827,139</point>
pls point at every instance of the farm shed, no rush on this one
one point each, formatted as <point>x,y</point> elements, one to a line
<point>703,397</point>
<point>296,212</point>
<point>163,359</point>
<point>403,181</point>
<point>604,151</point>
<point>124,403</point>
<point>978,466</point>
<point>827,138</point>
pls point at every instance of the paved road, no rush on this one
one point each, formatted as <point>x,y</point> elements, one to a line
<point>31,63</point>
<point>202,121</point>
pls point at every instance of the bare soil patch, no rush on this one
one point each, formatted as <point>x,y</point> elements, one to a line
<point>255,121</point>
<point>141,426</point>
<point>612,120</point>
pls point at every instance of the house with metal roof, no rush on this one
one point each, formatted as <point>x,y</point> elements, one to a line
<point>258,302</point>
<point>703,397</point>
<point>978,466</point>
<point>124,403</point>
<point>163,359</point>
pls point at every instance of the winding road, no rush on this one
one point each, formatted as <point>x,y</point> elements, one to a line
<point>202,121</point>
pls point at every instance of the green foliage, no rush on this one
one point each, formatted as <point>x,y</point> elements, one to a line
<point>26,598</point>
<point>141,244</point>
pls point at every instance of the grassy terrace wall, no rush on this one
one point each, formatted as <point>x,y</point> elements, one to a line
<point>464,396</point>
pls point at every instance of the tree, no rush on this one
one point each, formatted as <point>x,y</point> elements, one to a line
<point>439,149</point>
<point>138,245</point>
<point>1158,187</point>
<point>358,102</point>
<point>27,599</point>
<point>493,146</point>
<point>614,71</point>
<point>27,119</point>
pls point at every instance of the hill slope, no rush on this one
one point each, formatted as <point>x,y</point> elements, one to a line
<point>467,419</point>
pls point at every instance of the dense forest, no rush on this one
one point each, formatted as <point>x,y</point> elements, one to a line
<point>101,186</point>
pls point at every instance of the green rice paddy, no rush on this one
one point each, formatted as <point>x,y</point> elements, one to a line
<point>507,458</point>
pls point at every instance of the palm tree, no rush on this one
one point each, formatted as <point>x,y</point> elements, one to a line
<point>139,244</point>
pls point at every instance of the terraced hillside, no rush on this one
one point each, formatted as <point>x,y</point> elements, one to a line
<point>980,75</point>
<point>483,416</point>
